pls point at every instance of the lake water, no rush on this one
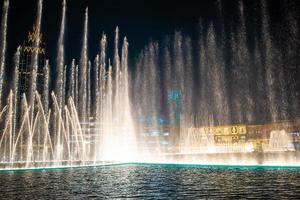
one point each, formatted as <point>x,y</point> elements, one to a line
<point>151,182</point>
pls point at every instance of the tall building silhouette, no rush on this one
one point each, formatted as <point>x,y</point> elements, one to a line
<point>25,67</point>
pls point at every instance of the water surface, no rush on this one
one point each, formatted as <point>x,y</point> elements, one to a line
<point>148,182</point>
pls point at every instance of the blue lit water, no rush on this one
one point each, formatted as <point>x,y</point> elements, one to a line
<point>151,182</point>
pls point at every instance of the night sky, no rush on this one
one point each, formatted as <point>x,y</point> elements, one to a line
<point>140,21</point>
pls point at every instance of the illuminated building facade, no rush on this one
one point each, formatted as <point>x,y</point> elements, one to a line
<point>258,136</point>
<point>25,66</point>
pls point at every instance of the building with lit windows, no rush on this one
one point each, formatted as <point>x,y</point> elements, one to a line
<point>25,66</point>
<point>279,136</point>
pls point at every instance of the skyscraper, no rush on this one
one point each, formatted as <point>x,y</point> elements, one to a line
<point>25,71</point>
<point>26,54</point>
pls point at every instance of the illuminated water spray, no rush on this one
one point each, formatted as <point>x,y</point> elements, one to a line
<point>46,71</point>
<point>72,80</point>
<point>35,57</point>
<point>3,45</point>
<point>60,57</point>
<point>82,104</point>
<point>16,90</point>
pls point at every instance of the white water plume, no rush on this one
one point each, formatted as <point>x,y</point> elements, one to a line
<point>82,98</point>
<point>35,57</point>
<point>3,45</point>
<point>60,57</point>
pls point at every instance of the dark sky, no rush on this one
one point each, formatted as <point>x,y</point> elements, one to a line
<point>138,20</point>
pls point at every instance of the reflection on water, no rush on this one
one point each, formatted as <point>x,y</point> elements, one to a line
<point>148,182</point>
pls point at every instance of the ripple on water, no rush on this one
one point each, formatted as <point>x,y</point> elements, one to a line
<point>148,182</point>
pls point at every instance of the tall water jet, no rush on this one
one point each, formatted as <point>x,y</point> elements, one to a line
<point>3,46</point>
<point>34,61</point>
<point>64,85</point>
<point>187,97</point>
<point>46,86</point>
<point>117,129</point>
<point>137,82</point>
<point>149,109</point>
<point>76,86</point>
<point>96,88</point>
<point>216,76</point>
<point>291,54</point>
<point>242,74</point>
<point>261,110</point>
<point>83,73</point>
<point>95,106</point>
<point>270,56</point>
<point>167,77</point>
<point>45,139</point>
<point>150,102</point>
<point>10,126</point>
<point>88,90</point>
<point>106,123</point>
<point>204,106</point>
<point>58,138</point>
<point>220,87</point>
<point>124,132</point>
<point>89,100</point>
<point>101,65</point>
<point>103,45</point>
<point>141,83</point>
<point>125,89</point>
<point>153,87</point>
<point>72,79</point>
<point>16,90</point>
<point>60,57</point>
<point>177,71</point>
<point>116,65</point>
<point>129,136</point>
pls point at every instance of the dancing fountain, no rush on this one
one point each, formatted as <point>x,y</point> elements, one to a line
<point>234,99</point>
<point>181,103</point>
<point>54,131</point>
